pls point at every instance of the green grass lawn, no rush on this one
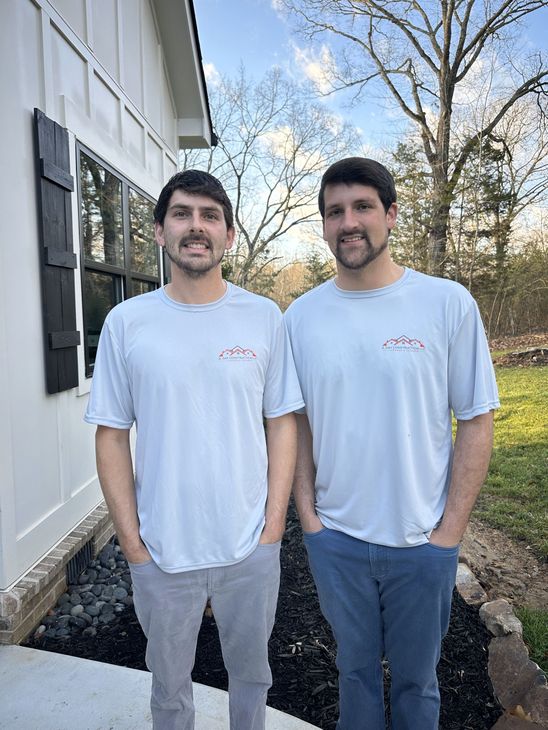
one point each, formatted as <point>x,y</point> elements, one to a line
<point>535,634</point>
<point>515,496</point>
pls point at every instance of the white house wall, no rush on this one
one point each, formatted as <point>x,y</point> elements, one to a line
<point>97,68</point>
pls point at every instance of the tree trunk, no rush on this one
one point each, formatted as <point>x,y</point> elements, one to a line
<point>437,236</point>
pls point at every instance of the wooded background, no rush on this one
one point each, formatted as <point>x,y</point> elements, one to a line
<point>471,164</point>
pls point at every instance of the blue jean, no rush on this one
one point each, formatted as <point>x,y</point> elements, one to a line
<point>384,602</point>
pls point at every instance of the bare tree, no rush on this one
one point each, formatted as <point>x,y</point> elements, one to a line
<point>519,302</point>
<point>432,56</point>
<point>273,146</point>
<point>522,141</point>
<point>504,178</point>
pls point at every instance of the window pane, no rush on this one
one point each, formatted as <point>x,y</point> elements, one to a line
<point>101,293</point>
<point>167,267</point>
<point>142,287</point>
<point>144,252</point>
<point>101,213</point>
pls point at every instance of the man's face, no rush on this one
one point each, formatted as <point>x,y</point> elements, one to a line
<point>194,233</point>
<point>356,226</point>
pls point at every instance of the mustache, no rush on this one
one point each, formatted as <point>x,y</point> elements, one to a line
<point>361,233</point>
<point>193,238</point>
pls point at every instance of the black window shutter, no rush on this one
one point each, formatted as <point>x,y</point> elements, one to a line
<point>58,261</point>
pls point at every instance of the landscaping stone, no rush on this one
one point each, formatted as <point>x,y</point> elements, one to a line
<point>500,619</point>
<point>518,683</point>
<point>469,587</point>
<point>509,722</point>
<point>536,700</point>
<point>99,596</point>
<point>514,675</point>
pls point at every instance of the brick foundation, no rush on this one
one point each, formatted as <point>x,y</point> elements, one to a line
<point>24,605</point>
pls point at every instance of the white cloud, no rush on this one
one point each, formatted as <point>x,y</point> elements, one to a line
<point>335,123</point>
<point>212,76</point>
<point>282,144</point>
<point>316,66</point>
<point>278,140</point>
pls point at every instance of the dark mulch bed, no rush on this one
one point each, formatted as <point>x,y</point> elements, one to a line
<point>302,653</point>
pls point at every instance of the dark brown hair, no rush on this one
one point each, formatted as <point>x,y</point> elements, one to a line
<point>194,182</point>
<point>359,171</point>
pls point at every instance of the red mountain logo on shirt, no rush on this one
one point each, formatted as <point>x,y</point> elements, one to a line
<point>237,353</point>
<point>403,344</point>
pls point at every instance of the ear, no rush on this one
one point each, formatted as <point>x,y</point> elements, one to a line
<point>159,234</point>
<point>230,234</point>
<point>323,230</point>
<point>391,216</point>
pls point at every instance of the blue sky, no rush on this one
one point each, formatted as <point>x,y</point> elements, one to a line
<point>247,30</point>
<point>253,33</point>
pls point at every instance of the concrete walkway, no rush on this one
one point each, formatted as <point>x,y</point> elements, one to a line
<point>47,691</point>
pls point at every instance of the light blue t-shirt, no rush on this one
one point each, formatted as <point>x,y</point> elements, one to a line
<point>196,380</point>
<point>381,371</point>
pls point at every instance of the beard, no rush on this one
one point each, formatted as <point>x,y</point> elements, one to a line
<point>193,266</point>
<point>354,258</point>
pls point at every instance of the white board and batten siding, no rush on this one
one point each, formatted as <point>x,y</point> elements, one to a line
<point>124,78</point>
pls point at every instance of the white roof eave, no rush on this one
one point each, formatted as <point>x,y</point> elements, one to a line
<point>181,47</point>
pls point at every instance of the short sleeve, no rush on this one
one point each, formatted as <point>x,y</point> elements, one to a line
<point>282,393</point>
<point>471,376</point>
<point>110,401</point>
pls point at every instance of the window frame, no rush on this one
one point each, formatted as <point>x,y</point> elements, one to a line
<point>125,274</point>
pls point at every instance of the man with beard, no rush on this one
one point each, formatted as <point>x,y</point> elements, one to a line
<point>385,355</point>
<point>196,365</point>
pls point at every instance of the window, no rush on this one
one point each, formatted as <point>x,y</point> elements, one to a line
<point>120,258</point>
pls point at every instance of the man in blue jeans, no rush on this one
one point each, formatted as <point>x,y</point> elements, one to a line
<point>385,356</point>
